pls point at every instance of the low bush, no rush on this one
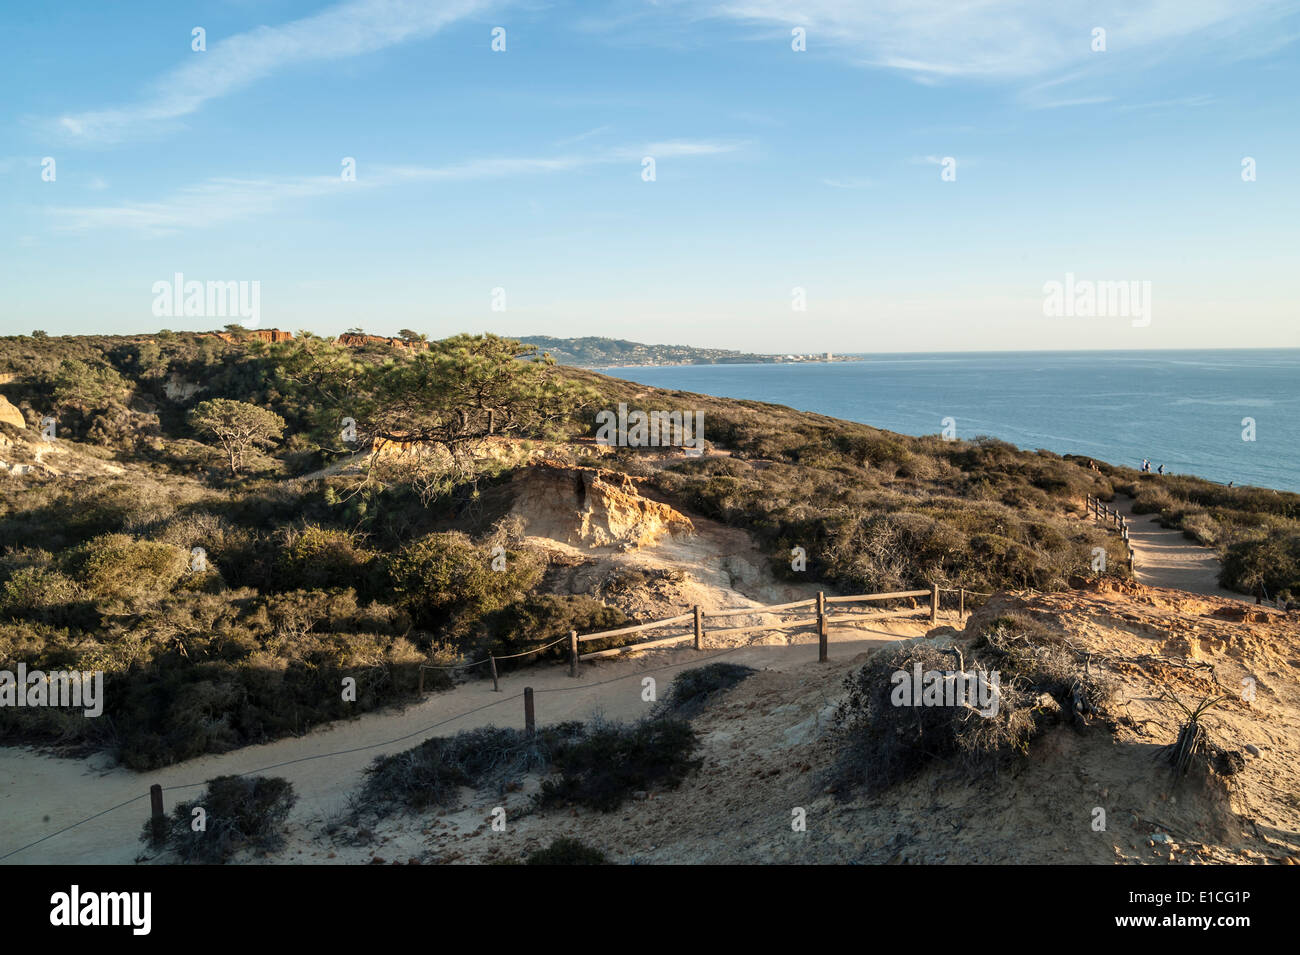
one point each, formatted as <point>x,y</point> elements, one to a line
<point>612,762</point>
<point>886,740</point>
<point>116,567</point>
<point>599,765</point>
<point>240,812</point>
<point>433,773</point>
<point>567,851</point>
<point>695,689</point>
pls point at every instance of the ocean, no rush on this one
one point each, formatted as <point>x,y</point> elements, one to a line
<point>1186,410</point>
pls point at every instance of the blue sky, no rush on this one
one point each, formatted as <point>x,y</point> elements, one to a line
<point>775,169</point>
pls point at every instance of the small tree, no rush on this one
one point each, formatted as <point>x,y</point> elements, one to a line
<point>238,425</point>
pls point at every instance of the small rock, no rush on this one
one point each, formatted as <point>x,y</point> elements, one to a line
<point>1252,749</point>
<point>1160,837</point>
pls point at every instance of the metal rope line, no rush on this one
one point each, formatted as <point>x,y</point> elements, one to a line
<point>262,769</point>
<point>509,656</point>
<point>357,749</point>
<point>73,826</point>
<point>548,646</point>
<point>628,676</point>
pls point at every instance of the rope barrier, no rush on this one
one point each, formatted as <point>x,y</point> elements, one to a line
<point>508,656</point>
<point>387,742</point>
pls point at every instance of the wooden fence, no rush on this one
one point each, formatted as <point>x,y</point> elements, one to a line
<point>815,608</point>
<point>1115,520</point>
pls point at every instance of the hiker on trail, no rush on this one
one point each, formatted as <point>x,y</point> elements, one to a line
<point>1161,469</point>
<point>1146,466</point>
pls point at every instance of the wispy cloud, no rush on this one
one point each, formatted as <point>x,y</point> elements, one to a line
<point>230,64</point>
<point>570,140</point>
<point>1076,101</point>
<point>850,183</point>
<point>1181,102</point>
<point>219,201</point>
<point>1000,39</point>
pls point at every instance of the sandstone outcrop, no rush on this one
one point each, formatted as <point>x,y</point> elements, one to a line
<point>590,506</point>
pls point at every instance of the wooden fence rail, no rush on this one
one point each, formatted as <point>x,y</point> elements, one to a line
<point>798,608</point>
<point>1117,521</point>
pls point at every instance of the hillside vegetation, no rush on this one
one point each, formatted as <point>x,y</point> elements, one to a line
<point>227,580</point>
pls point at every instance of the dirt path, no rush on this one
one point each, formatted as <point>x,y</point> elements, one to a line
<point>42,794</point>
<point>1165,558</point>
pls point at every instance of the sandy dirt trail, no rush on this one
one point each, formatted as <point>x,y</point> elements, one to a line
<point>1165,558</point>
<point>40,795</point>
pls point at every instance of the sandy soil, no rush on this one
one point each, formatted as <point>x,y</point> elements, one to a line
<point>766,748</point>
<point>42,794</point>
<point>712,565</point>
<point>1165,558</point>
<point>767,744</point>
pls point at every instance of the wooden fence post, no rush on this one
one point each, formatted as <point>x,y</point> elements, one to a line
<point>699,629</point>
<point>530,722</point>
<point>573,653</point>
<point>961,603</point>
<point>934,603</point>
<point>158,818</point>
<point>496,686</point>
<point>822,655</point>
<point>422,680</point>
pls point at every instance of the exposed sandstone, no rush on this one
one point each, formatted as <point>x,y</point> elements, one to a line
<point>589,506</point>
<point>11,415</point>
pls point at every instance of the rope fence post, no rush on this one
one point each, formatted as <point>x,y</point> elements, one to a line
<point>699,629</point>
<point>822,654</point>
<point>530,720</point>
<point>934,603</point>
<point>496,686</point>
<point>961,603</point>
<point>158,818</point>
<point>573,653</point>
<point>421,690</point>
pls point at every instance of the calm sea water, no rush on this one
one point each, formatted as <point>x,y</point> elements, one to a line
<point>1182,409</point>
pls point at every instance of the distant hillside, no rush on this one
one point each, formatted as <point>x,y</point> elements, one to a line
<point>604,352</point>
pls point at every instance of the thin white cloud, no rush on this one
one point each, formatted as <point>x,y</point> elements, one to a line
<point>222,200</point>
<point>1202,99</point>
<point>1077,101</point>
<point>232,63</point>
<point>1001,39</point>
<point>570,140</point>
<point>850,183</point>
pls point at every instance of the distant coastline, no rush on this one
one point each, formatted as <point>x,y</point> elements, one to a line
<point>595,353</point>
<point>1230,415</point>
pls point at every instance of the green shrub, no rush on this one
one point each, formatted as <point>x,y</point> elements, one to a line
<point>882,744</point>
<point>696,688</point>
<point>242,812</point>
<point>604,769</point>
<point>40,594</point>
<point>567,851</point>
<point>445,575</point>
<point>432,773</point>
<point>115,566</point>
<point>1271,563</point>
<point>318,557</point>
